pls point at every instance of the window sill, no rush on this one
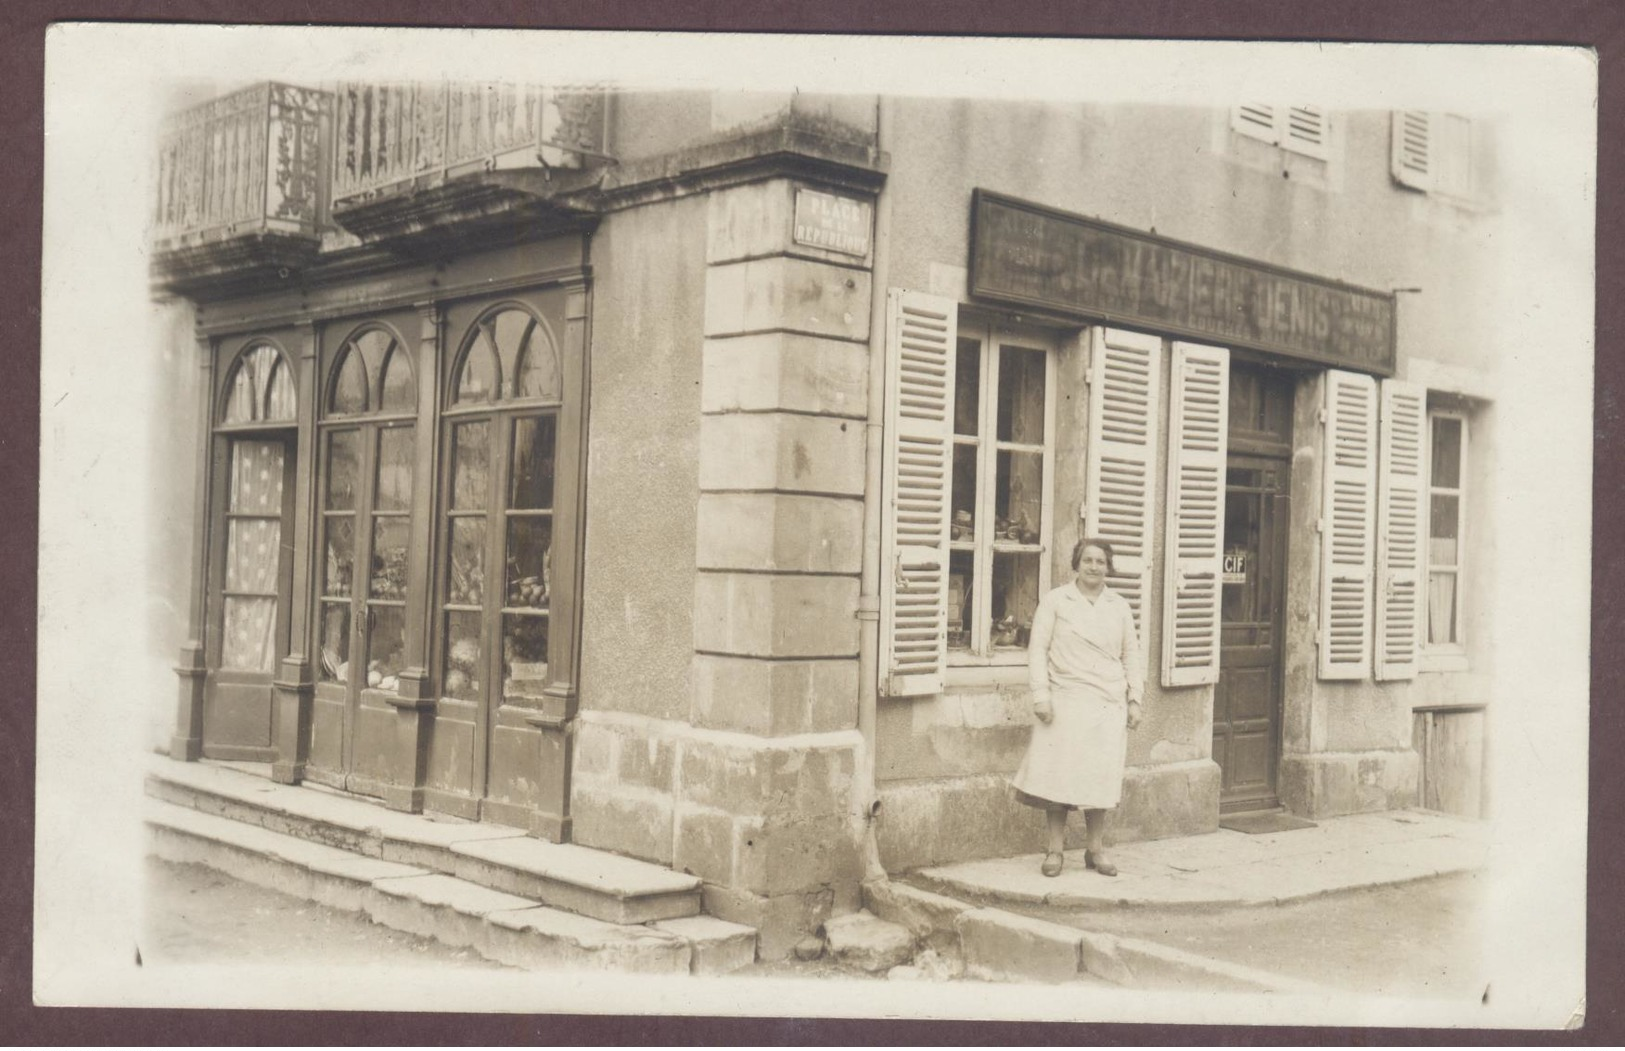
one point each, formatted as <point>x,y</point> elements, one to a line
<point>987,674</point>
<point>1445,661</point>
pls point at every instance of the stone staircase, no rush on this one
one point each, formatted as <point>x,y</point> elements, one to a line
<point>494,889</point>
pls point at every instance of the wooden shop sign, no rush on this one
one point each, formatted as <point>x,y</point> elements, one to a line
<point>1024,253</point>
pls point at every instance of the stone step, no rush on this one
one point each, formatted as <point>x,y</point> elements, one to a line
<point>577,879</point>
<point>508,928</point>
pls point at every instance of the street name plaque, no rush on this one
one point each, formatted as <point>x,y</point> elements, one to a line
<point>826,220</point>
<point>1024,253</point>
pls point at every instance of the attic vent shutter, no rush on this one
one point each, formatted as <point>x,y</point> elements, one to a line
<point>1198,418</point>
<point>1257,120</point>
<point>1399,530</point>
<point>1347,513</point>
<point>1119,489</point>
<point>921,341</point>
<point>1305,130</point>
<point>1412,155</point>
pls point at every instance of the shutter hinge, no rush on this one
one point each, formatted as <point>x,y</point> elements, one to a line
<point>1089,376</point>
<point>1320,415</point>
<point>1320,525</point>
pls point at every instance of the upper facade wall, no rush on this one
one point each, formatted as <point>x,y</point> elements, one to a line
<point>1184,173</point>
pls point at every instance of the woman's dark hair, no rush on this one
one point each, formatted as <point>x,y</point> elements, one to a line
<point>1091,541</point>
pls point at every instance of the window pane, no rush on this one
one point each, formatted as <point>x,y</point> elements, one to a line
<point>467,584</point>
<point>350,386</point>
<point>524,655</point>
<point>1015,597</point>
<point>1018,499</point>
<point>967,387</point>
<point>470,465</point>
<point>280,401</point>
<point>1443,527</point>
<point>532,463</point>
<point>335,643</point>
<point>256,478</point>
<point>340,561</point>
<point>463,669</point>
<point>478,380</point>
<point>386,647</point>
<point>961,573</point>
<point>1442,608</point>
<point>539,369</point>
<point>251,554</point>
<point>240,405</point>
<point>530,557</point>
<point>396,450</point>
<point>964,495</point>
<point>389,557</point>
<point>400,393</point>
<point>343,448</point>
<point>1446,452</point>
<point>247,643</point>
<point>1021,395</point>
<point>510,330</point>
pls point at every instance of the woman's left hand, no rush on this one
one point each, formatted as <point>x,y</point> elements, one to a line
<point>1133,714</point>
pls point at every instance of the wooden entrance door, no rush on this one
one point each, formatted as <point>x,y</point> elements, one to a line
<point>1247,701</point>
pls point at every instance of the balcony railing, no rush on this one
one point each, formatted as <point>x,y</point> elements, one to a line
<point>249,162</point>
<point>389,136</point>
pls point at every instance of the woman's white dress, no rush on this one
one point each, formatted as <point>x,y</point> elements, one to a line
<point>1085,657</point>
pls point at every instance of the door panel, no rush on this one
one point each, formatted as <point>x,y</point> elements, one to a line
<point>1247,700</point>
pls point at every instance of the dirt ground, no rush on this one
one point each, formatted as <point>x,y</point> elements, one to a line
<point>197,915</point>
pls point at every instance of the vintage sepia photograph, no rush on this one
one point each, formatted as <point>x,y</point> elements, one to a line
<point>815,526</point>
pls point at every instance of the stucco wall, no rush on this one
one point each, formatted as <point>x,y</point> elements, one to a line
<point>642,467</point>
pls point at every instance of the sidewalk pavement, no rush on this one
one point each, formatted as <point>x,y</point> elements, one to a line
<point>1225,869</point>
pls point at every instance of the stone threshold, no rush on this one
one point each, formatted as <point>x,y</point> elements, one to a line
<point>512,898</point>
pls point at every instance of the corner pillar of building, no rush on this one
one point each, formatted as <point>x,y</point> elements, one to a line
<point>293,694</point>
<point>762,810</point>
<point>186,744</point>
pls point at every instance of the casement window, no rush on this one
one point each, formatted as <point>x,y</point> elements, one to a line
<point>1433,152</point>
<point>1446,519</point>
<point>1003,466</point>
<point>1298,129</point>
<point>970,429</point>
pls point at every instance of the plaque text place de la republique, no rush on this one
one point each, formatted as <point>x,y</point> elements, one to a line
<point>1040,257</point>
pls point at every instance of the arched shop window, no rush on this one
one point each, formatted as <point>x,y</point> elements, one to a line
<point>368,454</point>
<point>496,578</point>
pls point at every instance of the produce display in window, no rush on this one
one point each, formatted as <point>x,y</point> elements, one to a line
<point>1015,596</point>
<point>389,558</point>
<point>335,644</point>
<point>530,558</point>
<point>386,647</point>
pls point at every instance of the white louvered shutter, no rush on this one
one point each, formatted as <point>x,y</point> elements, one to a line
<point>921,342</point>
<point>1198,416</point>
<point>1348,512</point>
<point>1412,154</point>
<point>1305,129</point>
<point>1399,529</point>
<point>1119,489</point>
<point>1256,120</point>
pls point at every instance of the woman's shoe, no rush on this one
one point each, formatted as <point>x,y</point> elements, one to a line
<point>1052,863</point>
<point>1098,861</point>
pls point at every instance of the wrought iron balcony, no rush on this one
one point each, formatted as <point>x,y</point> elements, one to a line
<point>415,136</point>
<point>249,163</point>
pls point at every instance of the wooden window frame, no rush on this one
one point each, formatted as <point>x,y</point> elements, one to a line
<point>993,337</point>
<point>1446,656</point>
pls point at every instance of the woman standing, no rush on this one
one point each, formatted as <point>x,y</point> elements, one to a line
<point>1087,674</point>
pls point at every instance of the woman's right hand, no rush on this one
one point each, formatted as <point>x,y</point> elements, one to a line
<point>1044,710</point>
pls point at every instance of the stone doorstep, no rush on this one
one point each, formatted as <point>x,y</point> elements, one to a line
<point>505,927</point>
<point>595,883</point>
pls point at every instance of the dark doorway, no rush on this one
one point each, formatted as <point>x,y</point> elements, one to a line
<point>1247,702</point>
